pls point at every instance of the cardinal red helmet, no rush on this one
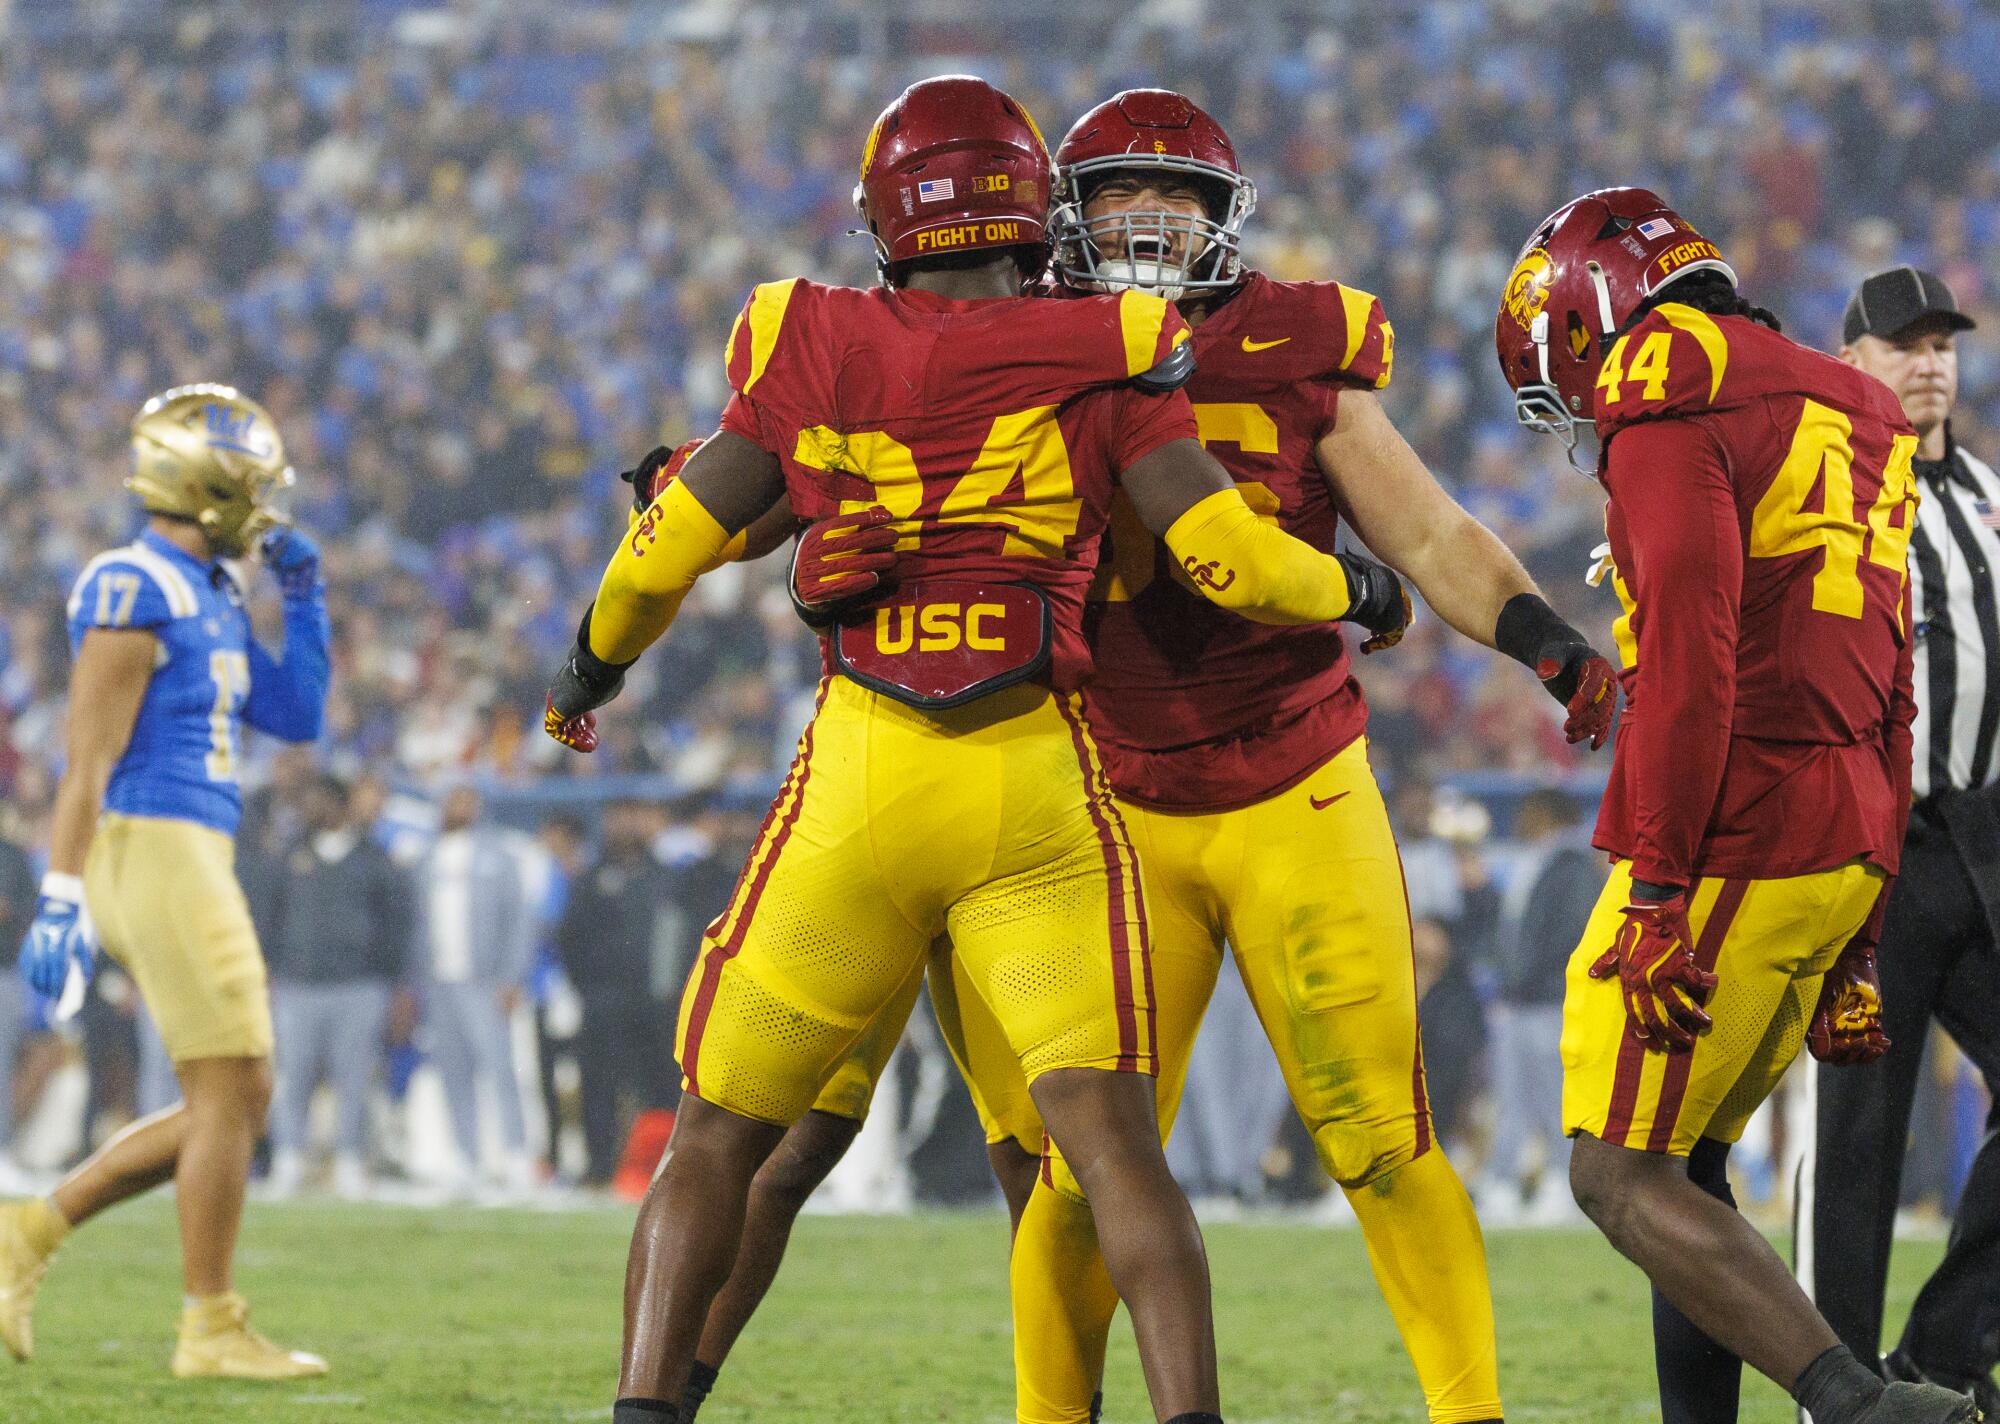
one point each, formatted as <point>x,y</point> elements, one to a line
<point>954,165</point>
<point>1162,252</point>
<point>1588,268</point>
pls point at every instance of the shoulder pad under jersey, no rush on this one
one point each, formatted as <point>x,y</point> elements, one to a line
<point>1317,331</point>
<point>1672,363</point>
<point>1158,354</point>
<point>132,587</point>
<point>1172,372</point>
<point>755,334</point>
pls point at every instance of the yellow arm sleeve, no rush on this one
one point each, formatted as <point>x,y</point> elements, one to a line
<point>731,552</point>
<point>1236,560</point>
<point>673,544</point>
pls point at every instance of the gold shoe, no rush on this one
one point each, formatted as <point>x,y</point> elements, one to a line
<point>21,1267</point>
<point>217,1341</point>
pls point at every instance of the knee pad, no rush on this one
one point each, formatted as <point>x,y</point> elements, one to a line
<point>1357,1153</point>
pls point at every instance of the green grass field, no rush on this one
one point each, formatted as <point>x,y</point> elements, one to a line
<point>432,1316</point>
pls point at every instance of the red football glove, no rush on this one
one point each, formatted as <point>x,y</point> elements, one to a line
<point>1846,1028</point>
<point>1653,958</point>
<point>839,561</point>
<point>1592,689</point>
<point>578,733</point>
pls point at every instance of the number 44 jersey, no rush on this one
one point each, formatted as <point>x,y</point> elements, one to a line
<point>1760,512</point>
<point>992,430</point>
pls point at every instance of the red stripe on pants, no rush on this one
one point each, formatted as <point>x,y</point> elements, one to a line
<point>1707,949</point>
<point>711,975</point>
<point>1114,870</point>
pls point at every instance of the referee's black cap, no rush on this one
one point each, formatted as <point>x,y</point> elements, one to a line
<point>1897,298</point>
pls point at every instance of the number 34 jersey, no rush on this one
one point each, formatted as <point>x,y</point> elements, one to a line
<point>993,430</point>
<point>182,759</point>
<point>1760,511</point>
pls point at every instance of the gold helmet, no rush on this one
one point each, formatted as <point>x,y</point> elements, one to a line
<point>210,454</point>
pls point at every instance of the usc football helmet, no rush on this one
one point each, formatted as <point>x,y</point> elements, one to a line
<point>955,165</point>
<point>1578,281</point>
<point>1168,254</point>
<point>210,454</point>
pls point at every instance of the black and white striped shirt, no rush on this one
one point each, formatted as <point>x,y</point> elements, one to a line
<point>1954,559</point>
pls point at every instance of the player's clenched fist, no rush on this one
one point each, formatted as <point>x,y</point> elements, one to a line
<point>1377,601</point>
<point>839,562</point>
<point>1653,958</point>
<point>1846,1028</point>
<point>584,683</point>
<point>1580,677</point>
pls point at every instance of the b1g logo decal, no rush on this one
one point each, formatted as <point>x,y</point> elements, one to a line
<point>1528,289</point>
<point>940,643</point>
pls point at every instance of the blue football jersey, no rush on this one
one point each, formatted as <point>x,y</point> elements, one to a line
<point>182,760</point>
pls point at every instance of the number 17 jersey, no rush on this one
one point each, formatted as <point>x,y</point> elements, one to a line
<point>1760,512</point>
<point>181,762</point>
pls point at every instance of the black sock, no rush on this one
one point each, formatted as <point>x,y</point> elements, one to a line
<point>1196,1418</point>
<point>642,1411</point>
<point>1700,1382</point>
<point>701,1379</point>
<point>1836,1387</point>
<point>1097,1407</point>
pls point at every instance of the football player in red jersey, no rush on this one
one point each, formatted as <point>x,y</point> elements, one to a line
<point>1760,507</point>
<point>1238,757</point>
<point>948,781</point>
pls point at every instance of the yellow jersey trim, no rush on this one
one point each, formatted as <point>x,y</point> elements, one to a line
<point>1140,317</point>
<point>766,313</point>
<point>1701,326</point>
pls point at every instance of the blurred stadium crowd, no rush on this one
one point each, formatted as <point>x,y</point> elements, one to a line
<point>478,257</point>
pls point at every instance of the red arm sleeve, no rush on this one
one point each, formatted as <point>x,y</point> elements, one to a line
<point>1686,549</point>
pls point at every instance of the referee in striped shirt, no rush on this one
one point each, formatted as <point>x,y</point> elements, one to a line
<point>1940,951</point>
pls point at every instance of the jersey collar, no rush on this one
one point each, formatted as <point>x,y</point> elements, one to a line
<point>211,571</point>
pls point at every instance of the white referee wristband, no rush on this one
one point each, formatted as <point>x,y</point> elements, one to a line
<point>66,888</point>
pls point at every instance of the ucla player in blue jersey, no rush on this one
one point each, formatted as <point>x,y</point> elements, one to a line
<point>142,851</point>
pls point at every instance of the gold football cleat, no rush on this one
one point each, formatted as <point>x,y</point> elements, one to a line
<point>21,1267</point>
<point>217,1342</point>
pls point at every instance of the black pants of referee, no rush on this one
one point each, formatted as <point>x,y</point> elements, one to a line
<point>1938,959</point>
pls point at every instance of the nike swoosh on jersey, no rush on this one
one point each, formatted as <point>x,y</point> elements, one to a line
<point>1249,345</point>
<point>1319,805</point>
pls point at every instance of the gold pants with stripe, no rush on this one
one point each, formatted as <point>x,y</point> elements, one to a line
<point>991,823</point>
<point>1306,887</point>
<point>1769,943</point>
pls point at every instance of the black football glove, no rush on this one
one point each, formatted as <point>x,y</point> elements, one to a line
<point>584,683</point>
<point>656,472</point>
<point>1377,601</point>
